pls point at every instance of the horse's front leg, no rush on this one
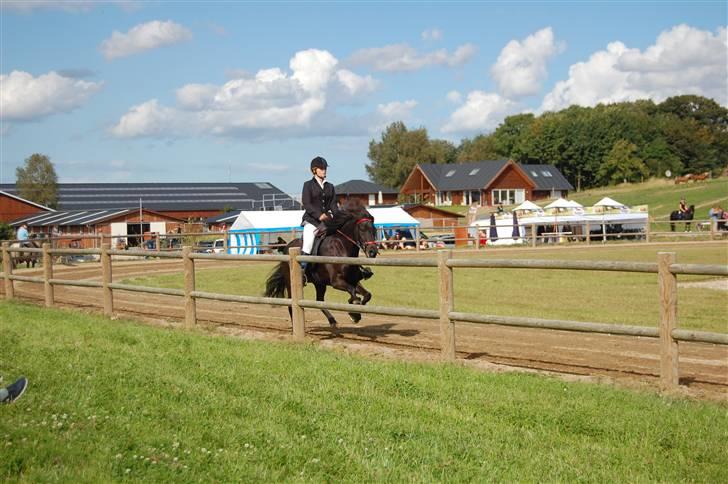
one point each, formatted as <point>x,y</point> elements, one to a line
<point>320,293</point>
<point>342,284</point>
<point>366,295</point>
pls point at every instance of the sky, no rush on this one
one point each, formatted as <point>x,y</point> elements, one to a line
<point>133,91</point>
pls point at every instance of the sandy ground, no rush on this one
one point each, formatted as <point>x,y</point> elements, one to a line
<point>621,360</point>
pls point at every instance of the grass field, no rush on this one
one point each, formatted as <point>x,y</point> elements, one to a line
<point>609,297</point>
<point>118,400</point>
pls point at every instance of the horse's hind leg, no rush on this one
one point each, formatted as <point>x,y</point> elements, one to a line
<point>320,292</point>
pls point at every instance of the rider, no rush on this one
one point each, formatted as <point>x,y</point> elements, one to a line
<point>683,206</point>
<point>319,202</point>
<point>22,235</point>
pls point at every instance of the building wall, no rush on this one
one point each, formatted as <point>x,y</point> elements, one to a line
<point>12,209</point>
<point>510,178</point>
<point>433,218</point>
<point>387,198</point>
<point>419,188</point>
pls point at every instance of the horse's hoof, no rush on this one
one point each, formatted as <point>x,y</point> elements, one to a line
<point>332,323</point>
<point>355,317</point>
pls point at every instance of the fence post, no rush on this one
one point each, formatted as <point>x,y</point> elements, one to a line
<point>190,304</point>
<point>8,270</point>
<point>713,223</point>
<point>669,377</point>
<point>588,233</point>
<point>106,278</point>
<point>297,314</point>
<point>417,239</point>
<point>156,241</point>
<point>534,235</point>
<point>447,326</point>
<point>226,242</point>
<point>47,275</point>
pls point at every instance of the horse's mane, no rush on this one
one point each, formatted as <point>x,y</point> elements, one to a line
<point>350,209</point>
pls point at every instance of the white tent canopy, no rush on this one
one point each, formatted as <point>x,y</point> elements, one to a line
<point>574,204</point>
<point>560,203</point>
<point>528,206</point>
<point>259,227</point>
<point>608,202</point>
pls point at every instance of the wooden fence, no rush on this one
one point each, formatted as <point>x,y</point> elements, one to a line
<point>666,269</point>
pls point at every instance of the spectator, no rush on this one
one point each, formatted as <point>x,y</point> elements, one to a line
<point>12,392</point>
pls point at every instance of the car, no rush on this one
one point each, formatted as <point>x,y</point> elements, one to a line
<point>441,240</point>
<point>216,246</point>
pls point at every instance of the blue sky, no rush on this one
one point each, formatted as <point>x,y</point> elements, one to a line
<point>230,91</point>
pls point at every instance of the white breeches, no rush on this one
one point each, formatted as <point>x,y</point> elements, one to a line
<point>309,234</point>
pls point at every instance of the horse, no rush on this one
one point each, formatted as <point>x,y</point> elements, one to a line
<point>30,258</point>
<point>701,177</point>
<point>683,179</point>
<point>351,230</point>
<point>678,215</point>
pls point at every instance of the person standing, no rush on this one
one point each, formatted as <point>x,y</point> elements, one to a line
<point>12,392</point>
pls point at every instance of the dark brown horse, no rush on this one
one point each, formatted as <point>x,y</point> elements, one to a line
<point>677,215</point>
<point>351,231</point>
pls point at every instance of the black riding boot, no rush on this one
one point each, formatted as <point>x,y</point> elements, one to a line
<point>304,266</point>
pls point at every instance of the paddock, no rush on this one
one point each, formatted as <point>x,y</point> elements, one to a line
<point>703,367</point>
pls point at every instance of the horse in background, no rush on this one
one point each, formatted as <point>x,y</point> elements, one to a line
<point>701,177</point>
<point>683,216</point>
<point>29,258</point>
<point>683,179</point>
<point>352,230</point>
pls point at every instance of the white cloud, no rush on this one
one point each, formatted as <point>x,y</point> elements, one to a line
<point>24,97</point>
<point>356,84</point>
<point>482,111</point>
<point>521,65</point>
<point>455,97</point>
<point>396,109</point>
<point>432,34</point>
<point>272,101</point>
<point>402,57</point>
<point>684,60</point>
<point>150,35</point>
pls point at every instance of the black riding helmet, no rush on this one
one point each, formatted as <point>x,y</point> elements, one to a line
<point>319,162</point>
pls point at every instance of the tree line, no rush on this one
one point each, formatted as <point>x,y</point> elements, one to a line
<point>591,146</point>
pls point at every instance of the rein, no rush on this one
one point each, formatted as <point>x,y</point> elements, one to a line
<point>357,244</point>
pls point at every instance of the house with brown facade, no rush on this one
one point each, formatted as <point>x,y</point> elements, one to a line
<point>484,183</point>
<point>370,194</point>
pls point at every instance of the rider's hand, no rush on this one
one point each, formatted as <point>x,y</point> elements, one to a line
<point>324,217</point>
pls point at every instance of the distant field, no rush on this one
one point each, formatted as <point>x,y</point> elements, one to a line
<point>118,400</point>
<point>609,297</point>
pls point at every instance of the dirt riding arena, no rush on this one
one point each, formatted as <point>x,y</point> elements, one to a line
<point>626,361</point>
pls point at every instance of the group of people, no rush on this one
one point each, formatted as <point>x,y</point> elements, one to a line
<point>720,216</point>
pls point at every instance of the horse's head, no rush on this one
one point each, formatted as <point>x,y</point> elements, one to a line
<point>362,223</point>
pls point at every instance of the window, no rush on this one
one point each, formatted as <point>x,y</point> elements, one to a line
<point>450,173</point>
<point>546,173</point>
<point>534,173</point>
<point>474,171</point>
<point>508,196</point>
<point>372,199</point>
<point>263,185</point>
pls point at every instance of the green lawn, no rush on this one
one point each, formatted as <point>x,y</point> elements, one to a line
<point>609,297</point>
<point>113,400</point>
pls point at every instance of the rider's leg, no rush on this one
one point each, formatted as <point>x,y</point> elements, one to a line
<point>309,234</point>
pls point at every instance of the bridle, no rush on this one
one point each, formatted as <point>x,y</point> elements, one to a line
<point>362,246</point>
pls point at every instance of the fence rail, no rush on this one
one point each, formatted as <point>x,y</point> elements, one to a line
<point>666,268</point>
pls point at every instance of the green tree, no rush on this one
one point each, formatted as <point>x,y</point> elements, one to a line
<point>482,147</point>
<point>37,180</point>
<point>400,149</point>
<point>6,231</point>
<point>512,130</point>
<point>622,164</point>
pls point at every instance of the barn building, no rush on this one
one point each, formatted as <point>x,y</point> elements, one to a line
<point>13,207</point>
<point>177,200</point>
<point>86,225</point>
<point>484,183</point>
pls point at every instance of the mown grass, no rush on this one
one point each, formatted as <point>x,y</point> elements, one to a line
<point>112,400</point>
<point>608,297</point>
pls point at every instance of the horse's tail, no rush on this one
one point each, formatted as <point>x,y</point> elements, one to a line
<point>277,284</point>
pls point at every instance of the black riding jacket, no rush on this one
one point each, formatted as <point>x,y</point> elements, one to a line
<point>317,201</point>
